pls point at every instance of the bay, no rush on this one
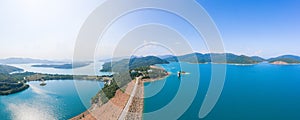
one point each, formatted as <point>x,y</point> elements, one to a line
<point>58,100</point>
<point>251,92</point>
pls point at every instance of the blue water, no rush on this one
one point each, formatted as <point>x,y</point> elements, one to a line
<point>255,92</point>
<point>92,69</point>
<point>58,100</point>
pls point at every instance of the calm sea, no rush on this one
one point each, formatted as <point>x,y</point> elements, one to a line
<point>255,92</point>
<point>58,100</point>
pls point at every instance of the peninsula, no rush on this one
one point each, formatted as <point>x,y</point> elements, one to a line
<point>122,98</point>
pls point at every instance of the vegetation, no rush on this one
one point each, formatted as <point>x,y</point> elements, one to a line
<point>125,71</point>
<point>7,88</point>
<point>216,58</point>
<point>106,93</point>
<point>286,58</point>
<point>128,64</point>
<point>39,76</point>
<point>8,69</point>
<point>12,83</point>
<point>116,66</point>
<point>258,59</point>
<point>145,61</point>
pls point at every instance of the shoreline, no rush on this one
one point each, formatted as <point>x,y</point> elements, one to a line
<point>146,80</point>
<point>135,110</point>
<point>13,90</point>
<point>110,110</point>
<point>237,64</point>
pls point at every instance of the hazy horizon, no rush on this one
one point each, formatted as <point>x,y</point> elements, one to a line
<point>47,29</point>
<point>160,55</point>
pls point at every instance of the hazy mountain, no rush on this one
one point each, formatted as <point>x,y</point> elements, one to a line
<point>64,66</point>
<point>5,69</point>
<point>24,61</point>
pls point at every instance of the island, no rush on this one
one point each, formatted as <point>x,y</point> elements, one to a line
<point>5,69</point>
<point>220,58</point>
<point>63,66</point>
<point>285,60</point>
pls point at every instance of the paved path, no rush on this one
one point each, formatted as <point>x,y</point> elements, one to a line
<point>126,108</point>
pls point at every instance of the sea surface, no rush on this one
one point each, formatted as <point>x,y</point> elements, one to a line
<point>252,92</point>
<point>58,100</point>
<point>91,69</point>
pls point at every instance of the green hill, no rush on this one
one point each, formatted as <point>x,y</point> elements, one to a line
<point>135,62</point>
<point>8,69</point>
<point>216,58</point>
<point>285,58</point>
<point>10,83</point>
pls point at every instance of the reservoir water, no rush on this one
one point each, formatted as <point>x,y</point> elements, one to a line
<point>58,100</point>
<point>254,92</point>
<point>91,69</point>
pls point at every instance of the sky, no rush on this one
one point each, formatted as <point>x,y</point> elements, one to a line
<point>266,28</point>
<point>48,29</point>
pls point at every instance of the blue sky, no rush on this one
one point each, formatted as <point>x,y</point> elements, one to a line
<point>264,27</point>
<point>48,28</point>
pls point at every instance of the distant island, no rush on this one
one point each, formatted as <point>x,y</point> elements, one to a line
<point>231,59</point>
<point>16,82</point>
<point>285,59</point>
<point>25,61</point>
<point>5,69</point>
<point>63,66</point>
